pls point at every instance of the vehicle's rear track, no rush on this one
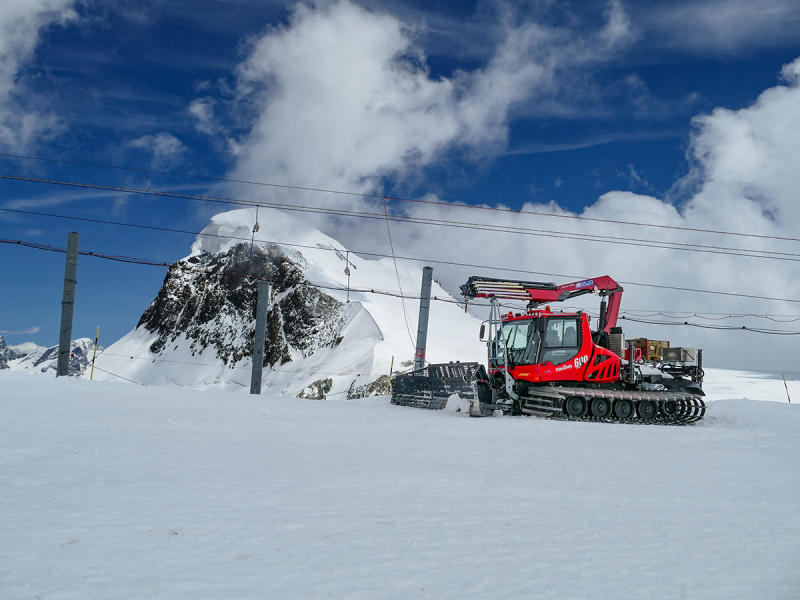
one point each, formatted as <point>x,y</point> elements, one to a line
<point>617,406</point>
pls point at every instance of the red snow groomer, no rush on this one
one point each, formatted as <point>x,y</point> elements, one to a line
<point>552,364</point>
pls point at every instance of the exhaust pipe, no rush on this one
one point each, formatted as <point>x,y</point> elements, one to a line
<point>601,322</point>
<point>631,363</point>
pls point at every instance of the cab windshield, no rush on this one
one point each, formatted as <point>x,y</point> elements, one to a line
<point>522,341</point>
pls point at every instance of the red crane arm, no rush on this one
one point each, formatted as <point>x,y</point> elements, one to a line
<point>605,287</point>
<point>536,293</point>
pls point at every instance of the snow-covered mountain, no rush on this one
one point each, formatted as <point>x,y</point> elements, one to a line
<point>199,329</point>
<point>38,359</point>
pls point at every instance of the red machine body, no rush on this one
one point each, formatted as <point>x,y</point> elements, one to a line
<point>583,362</point>
<point>551,364</point>
<point>545,346</point>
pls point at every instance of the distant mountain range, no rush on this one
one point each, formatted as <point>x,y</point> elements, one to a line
<point>38,359</point>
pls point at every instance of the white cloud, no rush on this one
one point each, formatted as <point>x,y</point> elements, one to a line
<point>21,22</point>
<point>341,97</point>
<point>722,25</point>
<point>28,331</point>
<point>747,160</point>
<point>634,178</point>
<point>165,148</point>
<point>202,109</point>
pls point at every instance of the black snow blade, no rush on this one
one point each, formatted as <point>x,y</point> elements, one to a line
<point>432,386</point>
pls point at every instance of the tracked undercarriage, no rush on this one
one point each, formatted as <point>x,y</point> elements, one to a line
<point>649,407</point>
<point>433,386</point>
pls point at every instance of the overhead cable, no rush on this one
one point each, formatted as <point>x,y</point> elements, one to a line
<point>397,199</point>
<point>397,273</point>
<point>451,263</point>
<point>186,267</point>
<point>715,327</point>
<point>247,367</point>
<point>616,240</point>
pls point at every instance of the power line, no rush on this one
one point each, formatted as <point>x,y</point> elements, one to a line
<point>184,267</point>
<point>719,317</point>
<point>708,316</point>
<point>397,199</point>
<point>372,291</point>
<point>715,327</point>
<point>397,272</point>
<point>742,252</point>
<point>248,367</point>
<point>651,314</point>
<point>451,263</point>
<point>120,376</point>
<point>143,261</point>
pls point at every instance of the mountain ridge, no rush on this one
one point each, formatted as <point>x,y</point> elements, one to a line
<point>28,356</point>
<point>198,331</point>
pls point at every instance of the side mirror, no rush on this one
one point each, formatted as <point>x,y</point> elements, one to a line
<point>483,331</point>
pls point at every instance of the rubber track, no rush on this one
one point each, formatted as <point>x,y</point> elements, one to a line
<point>549,402</point>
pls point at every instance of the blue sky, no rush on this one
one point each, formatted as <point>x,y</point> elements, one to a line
<point>615,104</point>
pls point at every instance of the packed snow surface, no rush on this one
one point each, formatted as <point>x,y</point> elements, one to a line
<point>113,490</point>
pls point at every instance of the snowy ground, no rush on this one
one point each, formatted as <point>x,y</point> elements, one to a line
<point>111,490</point>
<point>723,384</point>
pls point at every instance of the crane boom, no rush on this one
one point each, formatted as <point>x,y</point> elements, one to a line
<point>538,292</point>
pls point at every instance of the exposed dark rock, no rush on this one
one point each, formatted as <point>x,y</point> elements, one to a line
<point>317,390</point>
<point>380,387</point>
<point>6,354</point>
<point>211,300</point>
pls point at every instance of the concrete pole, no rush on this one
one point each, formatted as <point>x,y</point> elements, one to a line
<point>424,309</point>
<point>68,305</point>
<point>262,307</point>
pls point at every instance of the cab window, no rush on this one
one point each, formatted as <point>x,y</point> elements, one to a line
<point>561,340</point>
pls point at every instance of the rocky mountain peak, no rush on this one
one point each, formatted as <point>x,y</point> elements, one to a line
<point>210,300</point>
<point>324,339</point>
<point>6,353</point>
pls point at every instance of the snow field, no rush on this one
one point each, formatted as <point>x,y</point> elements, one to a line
<point>720,384</point>
<point>111,490</point>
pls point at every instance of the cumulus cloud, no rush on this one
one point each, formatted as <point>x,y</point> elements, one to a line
<point>341,98</point>
<point>745,162</point>
<point>21,23</point>
<point>165,148</point>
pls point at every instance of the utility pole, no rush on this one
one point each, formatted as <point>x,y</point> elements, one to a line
<point>787,388</point>
<point>68,305</point>
<point>424,309</point>
<point>94,355</point>
<point>262,306</point>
